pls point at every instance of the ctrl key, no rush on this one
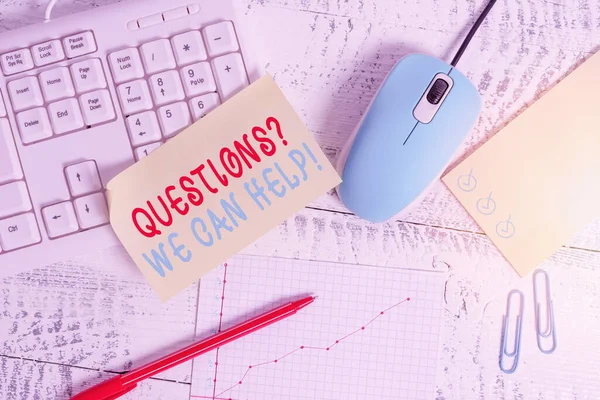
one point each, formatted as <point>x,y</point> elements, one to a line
<point>19,231</point>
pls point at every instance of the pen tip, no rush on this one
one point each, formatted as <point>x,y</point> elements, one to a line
<point>315,297</point>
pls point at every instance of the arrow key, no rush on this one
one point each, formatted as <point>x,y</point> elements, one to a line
<point>83,178</point>
<point>143,128</point>
<point>166,87</point>
<point>60,219</point>
<point>91,210</point>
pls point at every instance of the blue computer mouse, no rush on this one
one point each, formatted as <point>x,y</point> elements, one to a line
<point>407,137</point>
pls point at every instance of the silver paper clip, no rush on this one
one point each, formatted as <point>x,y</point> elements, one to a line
<point>517,347</point>
<point>550,330</point>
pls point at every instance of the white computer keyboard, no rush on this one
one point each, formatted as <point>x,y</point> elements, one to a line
<point>85,96</point>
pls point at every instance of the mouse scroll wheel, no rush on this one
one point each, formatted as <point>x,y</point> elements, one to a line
<point>437,91</point>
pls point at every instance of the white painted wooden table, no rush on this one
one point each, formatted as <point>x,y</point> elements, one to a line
<point>71,325</point>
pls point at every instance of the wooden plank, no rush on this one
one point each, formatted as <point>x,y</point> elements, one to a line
<point>81,314</point>
<point>562,23</point>
<point>27,379</point>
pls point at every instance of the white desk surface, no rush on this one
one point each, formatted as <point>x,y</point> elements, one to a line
<point>76,323</point>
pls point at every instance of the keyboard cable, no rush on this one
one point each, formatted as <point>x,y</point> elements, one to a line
<point>49,8</point>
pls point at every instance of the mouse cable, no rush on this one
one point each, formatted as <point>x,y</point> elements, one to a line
<point>49,8</point>
<point>471,33</point>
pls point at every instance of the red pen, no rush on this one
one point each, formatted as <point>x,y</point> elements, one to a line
<point>121,384</point>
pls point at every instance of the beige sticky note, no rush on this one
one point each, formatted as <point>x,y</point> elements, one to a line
<point>535,184</point>
<point>217,187</point>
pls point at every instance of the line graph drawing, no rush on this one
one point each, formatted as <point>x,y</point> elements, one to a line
<point>253,281</point>
<point>276,360</point>
<point>220,325</point>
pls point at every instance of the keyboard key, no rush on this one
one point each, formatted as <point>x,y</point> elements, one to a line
<point>25,93</point>
<point>150,20</point>
<point>83,178</point>
<point>188,48</point>
<point>198,79</point>
<point>202,105</point>
<point>65,115</point>
<point>2,106</point>
<point>175,13</point>
<point>166,87</point>
<point>97,107</point>
<point>34,125</point>
<point>14,199</point>
<point>57,84</point>
<point>80,44</point>
<point>16,61</point>
<point>91,210</point>
<point>88,75</point>
<point>48,52</point>
<point>10,168</point>
<point>135,96</point>
<point>19,231</point>
<point>220,39</point>
<point>143,128</point>
<point>231,74</point>
<point>174,118</point>
<point>157,56</point>
<point>145,151</point>
<point>126,65</point>
<point>133,25</point>
<point>60,219</point>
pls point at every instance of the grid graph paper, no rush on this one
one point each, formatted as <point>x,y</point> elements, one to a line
<point>372,333</point>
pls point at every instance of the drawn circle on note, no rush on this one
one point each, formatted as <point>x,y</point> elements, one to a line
<point>505,229</point>
<point>486,205</point>
<point>467,182</point>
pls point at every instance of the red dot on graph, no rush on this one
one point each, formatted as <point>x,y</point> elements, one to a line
<point>408,299</point>
<point>240,382</point>
<point>275,361</point>
<point>221,314</point>
<point>337,341</point>
<point>224,281</point>
<point>301,347</point>
<point>216,363</point>
<point>214,380</point>
<point>327,349</point>
<point>222,297</point>
<point>382,313</point>
<point>284,142</point>
<point>225,264</point>
<point>363,328</point>
<point>250,367</point>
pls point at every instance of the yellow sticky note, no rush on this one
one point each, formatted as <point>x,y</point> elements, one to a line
<point>217,187</point>
<point>534,185</point>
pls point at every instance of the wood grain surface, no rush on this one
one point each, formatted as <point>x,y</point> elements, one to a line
<point>70,325</point>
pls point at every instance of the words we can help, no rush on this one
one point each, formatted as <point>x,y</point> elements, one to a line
<point>217,187</point>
